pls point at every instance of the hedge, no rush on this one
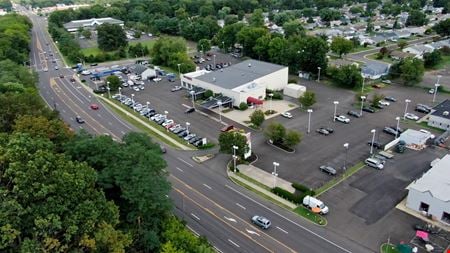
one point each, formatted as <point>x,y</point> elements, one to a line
<point>305,190</point>
<point>296,198</point>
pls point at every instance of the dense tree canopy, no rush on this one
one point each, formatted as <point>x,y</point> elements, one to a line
<point>14,38</point>
<point>111,37</point>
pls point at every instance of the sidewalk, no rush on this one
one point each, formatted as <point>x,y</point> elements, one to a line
<point>258,188</point>
<point>265,178</point>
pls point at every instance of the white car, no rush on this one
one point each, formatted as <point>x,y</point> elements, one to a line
<point>135,88</point>
<point>427,132</point>
<point>383,102</point>
<point>431,91</point>
<point>157,79</point>
<point>342,118</point>
<point>287,115</point>
<point>167,122</point>
<point>46,70</point>
<point>411,116</point>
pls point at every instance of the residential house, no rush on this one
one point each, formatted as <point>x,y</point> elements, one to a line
<point>374,70</point>
<point>440,116</point>
<point>403,33</point>
<point>399,55</point>
<point>440,44</point>
<point>419,50</point>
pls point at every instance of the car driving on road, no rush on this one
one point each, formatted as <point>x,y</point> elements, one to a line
<point>261,221</point>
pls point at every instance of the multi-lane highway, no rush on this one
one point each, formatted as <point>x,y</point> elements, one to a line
<point>202,194</point>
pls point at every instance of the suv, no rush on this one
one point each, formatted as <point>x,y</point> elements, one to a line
<point>328,169</point>
<point>261,221</point>
<point>374,163</point>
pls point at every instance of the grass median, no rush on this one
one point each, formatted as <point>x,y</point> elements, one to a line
<point>339,178</point>
<point>313,217</point>
<point>388,248</point>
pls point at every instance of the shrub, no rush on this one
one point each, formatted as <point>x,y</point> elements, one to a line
<point>208,94</point>
<point>296,198</point>
<point>292,80</point>
<point>243,106</point>
<point>303,189</point>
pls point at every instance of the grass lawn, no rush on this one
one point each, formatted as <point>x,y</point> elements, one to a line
<point>339,178</point>
<point>306,213</point>
<point>444,62</point>
<point>148,43</point>
<point>91,51</point>
<point>385,59</point>
<point>389,248</point>
<point>360,48</point>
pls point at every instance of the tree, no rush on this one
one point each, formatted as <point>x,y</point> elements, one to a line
<point>412,70</point>
<point>292,138</point>
<point>432,59</point>
<point>376,99</point>
<point>383,52</point>
<point>416,18</point>
<point>275,132</point>
<point>307,53</point>
<point>443,28</point>
<point>208,94</point>
<point>111,37</point>
<point>86,33</point>
<point>232,138</point>
<point>277,51</point>
<point>402,44</point>
<point>248,36</point>
<point>341,46</point>
<point>257,18</point>
<point>113,82</point>
<point>257,118</point>
<point>307,99</point>
<point>243,106</point>
<point>328,14</point>
<point>293,27</point>
<point>370,27</point>
<point>203,45</point>
<point>348,76</point>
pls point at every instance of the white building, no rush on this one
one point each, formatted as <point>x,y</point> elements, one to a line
<point>440,117</point>
<point>243,82</point>
<point>92,23</point>
<point>430,194</point>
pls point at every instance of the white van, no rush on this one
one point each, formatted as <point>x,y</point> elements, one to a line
<point>311,202</point>
<point>374,163</point>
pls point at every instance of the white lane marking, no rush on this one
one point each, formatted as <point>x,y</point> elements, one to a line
<point>207,186</point>
<point>80,127</point>
<point>282,230</point>
<point>193,231</point>
<point>179,169</point>
<point>251,232</point>
<point>185,162</point>
<point>195,216</point>
<point>110,123</point>
<point>291,221</point>
<point>98,114</point>
<point>122,132</point>
<point>235,244</point>
<point>230,219</point>
<point>241,206</point>
<point>217,249</point>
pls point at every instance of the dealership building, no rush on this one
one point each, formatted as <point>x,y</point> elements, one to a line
<point>243,82</point>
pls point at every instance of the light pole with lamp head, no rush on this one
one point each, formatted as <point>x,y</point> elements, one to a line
<point>187,127</point>
<point>407,101</point>
<point>362,87</point>
<point>220,111</point>
<point>214,60</point>
<point>309,119</point>
<point>234,157</point>
<point>193,98</point>
<point>275,174</point>
<point>335,108</point>
<point>179,74</point>
<point>270,104</point>
<point>362,104</point>
<point>346,145</point>
<point>109,89</point>
<point>436,86</point>
<point>373,140</point>
<point>318,76</point>
<point>223,46</point>
<point>398,123</point>
<point>132,98</point>
<point>120,92</point>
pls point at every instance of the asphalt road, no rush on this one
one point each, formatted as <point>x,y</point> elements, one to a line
<point>202,194</point>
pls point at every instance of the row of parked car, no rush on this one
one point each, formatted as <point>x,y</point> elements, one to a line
<point>161,119</point>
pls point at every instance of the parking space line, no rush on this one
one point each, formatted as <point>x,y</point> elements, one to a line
<point>195,216</point>
<point>179,169</point>
<point>282,230</point>
<point>207,186</point>
<point>241,206</point>
<point>185,162</point>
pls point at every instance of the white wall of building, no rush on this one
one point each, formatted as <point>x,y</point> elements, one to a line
<point>243,92</point>
<point>439,122</point>
<point>276,80</point>
<point>436,206</point>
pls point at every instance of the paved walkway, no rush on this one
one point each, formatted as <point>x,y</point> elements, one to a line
<point>261,190</point>
<point>265,178</point>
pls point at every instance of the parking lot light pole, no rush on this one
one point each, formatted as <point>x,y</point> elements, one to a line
<point>335,108</point>
<point>270,104</point>
<point>148,104</point>
<point>187,127</point>
<point>346,145</point>
<point>407,101</point>
<point>398,123</point>
<point>373,140</point>
<point>220,111</point>
<point>132,98</point>
<point>309,119</point>
<point>193,98</point>
<point>275,174</point>
<point>436,86</point>
<point>214,57</point>
<point>179,73</point>
<point>318,76</point>
<point>223,46</point>
<point>109,92</point>
<point>362,104</point>
<point>120,92</point>
<point>234,157</point>
<point>362,87</point>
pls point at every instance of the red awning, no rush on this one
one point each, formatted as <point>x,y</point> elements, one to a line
<point>252,100</point>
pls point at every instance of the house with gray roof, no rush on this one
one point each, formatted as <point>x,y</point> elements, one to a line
<point>91,24</point>
<point>429,194</point>
<point>418,50</point>
<point>440,116</point>
<point>243,82</point>
<point>374,69</point>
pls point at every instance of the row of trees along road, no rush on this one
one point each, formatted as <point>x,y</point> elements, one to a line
<point>72,192</point>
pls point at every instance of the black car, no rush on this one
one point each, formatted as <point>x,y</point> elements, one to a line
<point>179,130</point>
<point>422,109</point>
<point>400,130</point>
<point>379,106</point>
<point>369,109</point>
<point>79,119</point>
<point>193,140</point>
<point>329,129</point>
<point>189,110</point>
<point>182,134</point>
<point>94,64</point>
<point>198,143</point>
<point>376,145</point>
<point>390,131</point>
<point>354,114</point>
<point>392,99</point>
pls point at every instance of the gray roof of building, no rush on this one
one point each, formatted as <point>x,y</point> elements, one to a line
<point>375,68</point>
<point>436,181</point>
<point>85,22</point>
<point>440,109</point>
<point>240,74</point>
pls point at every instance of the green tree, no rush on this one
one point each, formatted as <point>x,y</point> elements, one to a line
<point>111,37</point>
<point>292,138</point>
<point>277,51</point>
<point>248,36</point>
<point>208,94</point>
<point>204,45</point>
<point>232,138</point>
<point>412,70</point>
<point>243,106</point>
<point>443,28</point>
<point>257,18</point>
<point>307,53</point>
<point>402,44</point>
<point>432,59</point>
<point>341,46</point>
<point>307,99</point>
<point>348,76</point>
<point>369,27</point>
<point>86,33</point>
<point>275,132</point>
<point>416,18</point>
<point>257,118</point>
<point>328,14</point>
<point>376,99</point>
<point>293,27</point>
<point>113,82</point>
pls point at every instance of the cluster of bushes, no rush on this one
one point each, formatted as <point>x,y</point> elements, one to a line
<point>296,197</point>
<point>277,95</point>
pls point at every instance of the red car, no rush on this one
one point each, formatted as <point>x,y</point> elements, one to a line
<point>227,128</point>
<point>94,107</point>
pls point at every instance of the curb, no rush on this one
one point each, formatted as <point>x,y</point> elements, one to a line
<point>280,148</point>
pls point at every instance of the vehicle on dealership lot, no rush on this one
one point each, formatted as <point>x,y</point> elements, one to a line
<point>189,136</point>
<point>411,116</point>
<point>384,103</point>
<point>195,139</point>
<point>423,108</point>
<point>431,91</point>
<point>391,99</point>
<point>378,106</point>
<point>179,130</point>
<point>141,87</point>
<point>374,163</point>
<point>354,114</point>
<point>287,115</point>
<point>329,129</point>
<point>94,106</point>
<point>79,119</point>
<point>328,169</point>
<point>311,202</point>
<point>386,81</point>
<point>227,128</point>
<point>322,131</point>
<point>135,88</point>
<point>189,110</point>
<point>368,109</point>
<point>390,130</point>
<point>176,88</point>
<point>261,221</point>
<point>342,118</point>
<point>376,145</point>
<point>167,122</point>
<point>172,128</point>
<point>157,79</point>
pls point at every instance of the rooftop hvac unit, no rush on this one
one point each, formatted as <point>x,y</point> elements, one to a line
<point>445,113</point>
